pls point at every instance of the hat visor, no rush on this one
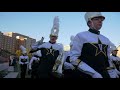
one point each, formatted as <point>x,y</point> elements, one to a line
<point>100,17</point>
<point>116,50</point>
<point>53,35</point>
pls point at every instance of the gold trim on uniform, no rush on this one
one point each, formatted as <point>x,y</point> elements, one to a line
<point>78,61</point>
<point>98,52</point>
<point>57,62</point>
<point>109,68</point>
<point>50,51</point>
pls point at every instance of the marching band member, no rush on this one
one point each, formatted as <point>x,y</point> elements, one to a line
<point>115,59</point>
<point>23,61</point>
<point>34,64</point>
<point>35,60</point>
<point>50,51</point>
<point>90,50</point>
<point>112,70</point>
<point>69,70</point>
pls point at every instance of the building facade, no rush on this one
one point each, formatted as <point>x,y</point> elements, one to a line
<point>11,41</point>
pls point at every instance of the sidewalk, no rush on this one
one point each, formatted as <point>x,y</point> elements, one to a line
<point>4,66</point>
<point>27,76</point>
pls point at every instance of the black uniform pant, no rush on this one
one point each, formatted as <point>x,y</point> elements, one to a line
<point>69,73</point>
<point>103,73</point>
<point>34,73</point>
<point>23,70</point>
<point>46,75</point>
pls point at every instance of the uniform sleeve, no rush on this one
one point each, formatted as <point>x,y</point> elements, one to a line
<point>36,48</point>
<point>68,65</point>
<point>118,58</point>
<point>110,63</point>
<point>112,70</point>
<point>39,47</point>
<point>39,53</point>
<point>112,58</point>
<point>109,50</point>
<point>76,49</point>
<point>11,61</point>
<point>76,53</point>
<point>20,60</point>
<point>30,64</point>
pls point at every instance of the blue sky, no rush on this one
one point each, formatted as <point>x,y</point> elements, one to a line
<point>38,24</point>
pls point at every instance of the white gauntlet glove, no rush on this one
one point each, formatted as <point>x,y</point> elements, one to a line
<point>69,65</point>
<point>96,75</point>
<point>118,72</point>
<point>88,70</point>
<point>72,67</point>
<point>113,73</point>
<point>29,67</point>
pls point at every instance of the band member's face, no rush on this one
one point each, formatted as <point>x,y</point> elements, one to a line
<point>97,22</point>
<point>53,38</point>
<point>25,54</point>
<point>114,52</point>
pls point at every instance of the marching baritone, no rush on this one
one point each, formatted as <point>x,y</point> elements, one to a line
<point>50,51</point>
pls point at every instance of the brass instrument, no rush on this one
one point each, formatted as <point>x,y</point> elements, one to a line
<point>57,68</point>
